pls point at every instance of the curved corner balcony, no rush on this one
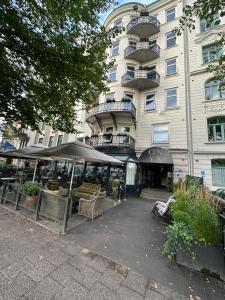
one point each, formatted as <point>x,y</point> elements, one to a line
<point>111,111</point>
<point>143,26</point>
<point>142,52</point>
<point>105,141</point>
<point>141,80</point>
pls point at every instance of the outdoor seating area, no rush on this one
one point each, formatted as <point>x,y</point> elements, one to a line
<point>59,192</point>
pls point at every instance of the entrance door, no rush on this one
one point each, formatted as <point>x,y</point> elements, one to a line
<point>156,176</point>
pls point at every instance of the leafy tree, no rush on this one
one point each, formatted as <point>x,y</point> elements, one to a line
<point>52,56</point>
<point>206,9</point>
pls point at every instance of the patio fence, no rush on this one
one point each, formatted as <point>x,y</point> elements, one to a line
<point>45,205</point>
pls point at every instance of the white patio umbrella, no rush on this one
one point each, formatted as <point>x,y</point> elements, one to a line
<point>76,151</point>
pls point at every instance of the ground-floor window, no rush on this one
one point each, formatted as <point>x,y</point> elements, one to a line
<point>216,129</point>
<point>218,172</point>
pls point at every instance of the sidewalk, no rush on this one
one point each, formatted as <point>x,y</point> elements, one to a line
<point>36,264</point>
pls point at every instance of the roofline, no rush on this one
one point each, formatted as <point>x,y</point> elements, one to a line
<point>120,6</point>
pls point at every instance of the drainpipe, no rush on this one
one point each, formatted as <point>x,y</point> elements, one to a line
<point>188,99</point>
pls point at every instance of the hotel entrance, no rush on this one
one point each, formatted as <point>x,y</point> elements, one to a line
<point>156,169</point>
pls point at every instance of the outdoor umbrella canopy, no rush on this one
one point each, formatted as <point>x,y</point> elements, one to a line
<point>76,151</point>
<point>27,152</point>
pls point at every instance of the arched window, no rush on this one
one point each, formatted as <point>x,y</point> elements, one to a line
<point>216,129</point>
<point>218,172</point>
<point>213,90</point>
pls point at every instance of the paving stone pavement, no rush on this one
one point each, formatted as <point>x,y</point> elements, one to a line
<point>38,265</point>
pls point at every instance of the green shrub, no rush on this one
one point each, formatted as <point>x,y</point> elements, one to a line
<point>30,188</point>
<point>179,238</point>
<point>184,202</point>
<point>182,216</point>
<point>205,223</point>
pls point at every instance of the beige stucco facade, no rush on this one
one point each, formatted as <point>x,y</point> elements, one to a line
<point>186,121</point>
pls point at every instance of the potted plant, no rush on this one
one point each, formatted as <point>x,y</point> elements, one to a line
<point>31,192</point>
<point>115,188</point>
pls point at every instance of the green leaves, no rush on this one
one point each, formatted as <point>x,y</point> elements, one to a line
<point>52,56</point>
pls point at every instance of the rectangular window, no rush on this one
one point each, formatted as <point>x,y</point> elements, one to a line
<point>128,96</point>
<point>115,49</point>
<point>109,130</point>
<point>112,74</point>
<point>150,103</point>
<point>218,172</point>
<point>118,23</point>
<point>40,141</point>
<point>171,39</point>
<point>170,14</point>
<point>50,142</point>
<point>209,24</point>
<point>80,137</point>
<point>171,98</point>
<point>211,53</point>
<point>60,139</point>
<point>171,66</point>
<point>160,134</point>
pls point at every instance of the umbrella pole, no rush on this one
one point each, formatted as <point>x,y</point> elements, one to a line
<point>35,170</point>
<point>71,182</point>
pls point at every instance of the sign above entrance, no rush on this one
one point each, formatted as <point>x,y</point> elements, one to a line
<point>156,155</point>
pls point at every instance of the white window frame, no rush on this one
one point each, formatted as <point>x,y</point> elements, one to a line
<point>109,96</point>
<point>167,34</point>
<point>169,60</point>
<point>59,136</point>
<point>158,124</point>
<point>166,98</point>
<point>110,73</point>
<point>212,25</point>
<point>220,51</point>
<point>116,48</point>
<point>170,9</point>
<point>51,138</point>
<point>129,93</point>
<point>150,94</point>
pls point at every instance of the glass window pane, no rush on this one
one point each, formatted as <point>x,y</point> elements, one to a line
<point>170,15</point>
<point>150,102</point>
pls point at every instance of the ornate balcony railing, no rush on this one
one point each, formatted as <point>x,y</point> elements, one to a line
<point>145,20</point>
<point>112,107</point>
<point>141,79</point>
<point>142,51</point>
<point>112,141</point>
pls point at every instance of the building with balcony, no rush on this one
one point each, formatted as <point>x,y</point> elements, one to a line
<point>164,113</point>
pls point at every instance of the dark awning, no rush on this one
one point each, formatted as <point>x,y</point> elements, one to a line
<point>156,155</point>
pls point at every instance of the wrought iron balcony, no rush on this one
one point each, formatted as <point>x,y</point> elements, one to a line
<point>142,52</point>
<point>141,79</point>
<point>143,26</point>
<point>111,110</point>
<point>111,141</point>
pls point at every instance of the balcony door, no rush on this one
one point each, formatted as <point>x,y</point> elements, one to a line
<point>130,72</point>
<point>124,135</point>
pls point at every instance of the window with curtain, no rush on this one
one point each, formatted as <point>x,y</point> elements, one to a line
<point>131,173</point>
<point>171,98</point>
<point>216,129</point>
<point>171,66</point>
<point>112,74</point>
<point>213,90</point>
<point>171,39</point>
<point>160,134</point>
<point>211,52</point>
<point>218,172</point>
<point>170,14</point>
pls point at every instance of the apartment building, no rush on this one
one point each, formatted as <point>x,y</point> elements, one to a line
<point>164,114</point>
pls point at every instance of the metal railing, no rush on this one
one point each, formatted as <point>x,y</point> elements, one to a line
<point>140,46</point>
<point>141,74</point>
<point>112,140</point>
<point>143,19</point>
<point>111,107</point>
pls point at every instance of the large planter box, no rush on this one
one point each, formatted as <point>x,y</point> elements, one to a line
<point>209,260</point>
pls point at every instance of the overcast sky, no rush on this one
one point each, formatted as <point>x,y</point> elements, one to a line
<point>103,17</point>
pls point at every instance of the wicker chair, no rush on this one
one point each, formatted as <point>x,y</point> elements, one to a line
<point>91,206</point>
